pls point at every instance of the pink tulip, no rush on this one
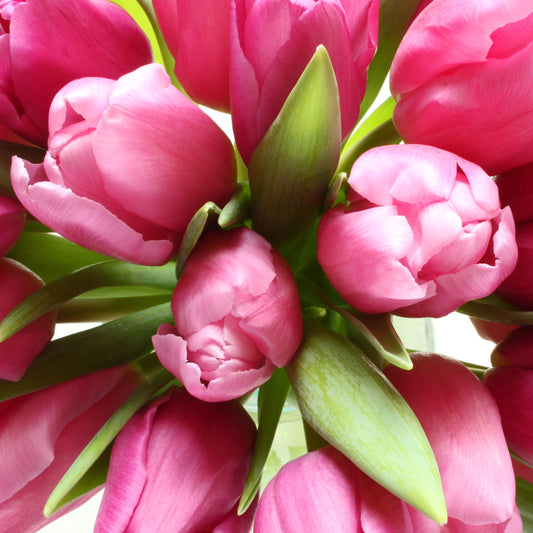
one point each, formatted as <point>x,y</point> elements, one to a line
<point>461,77</point>
<point>272,41</point>
<point>43,433</point>
<point>128,164</point>
<point>197,35</point>
<point>492,331</point>
<point>237,316</point>
<point>516,191</point>
<point>179,465</point>
<point>52,42</point>
<point>16,353</point>
<point>423,233</point>
<point>511,384</point>
<point>12,218</point>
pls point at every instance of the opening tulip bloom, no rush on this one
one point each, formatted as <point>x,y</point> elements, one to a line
<point>129,162</point>
<point>35,62</point>
<point>423,233</point>
<point>237,316</point>
<point>197,35</point>
<point>323,490</point>
<point>265,64</point>
<point>461,77</point>
<point>179,465</point>
<point>18,351</point>
<point>12,218</point>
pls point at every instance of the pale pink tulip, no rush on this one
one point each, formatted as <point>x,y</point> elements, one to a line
<point>179,465</point>
<point>12,218</point>
<point>462,78</point>
<point>272,41</point>
<point>43,433</point>
<point>197,35</point>
<point>52,42</point>
<point>423,233</point>
<point>237,316</point>
<point>511,384</point>
<point>129,162</point>
<point>16,353</point>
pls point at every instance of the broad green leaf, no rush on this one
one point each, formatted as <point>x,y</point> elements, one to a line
<point>111,344</point>
<point>394,19</point>
<point>272,397</point>
<point>100,443</point>
<point>293,164</point>
<point>61,290</point>
<point>351,404</point>
<point>524,501</point>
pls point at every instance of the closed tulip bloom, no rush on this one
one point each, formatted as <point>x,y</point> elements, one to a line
<point>237,316</point>
<point>129,162</point>
<point>43,433</point>
<point>18,351</point>
<point>35,62</point>
<point>197,35</point>
<point>271,43</point>
<point>511,383</point>
<point>463,72</point>
<point>516,191</point>
<point>12,218</point>
<point>179,465</point>
<point>423,233</point>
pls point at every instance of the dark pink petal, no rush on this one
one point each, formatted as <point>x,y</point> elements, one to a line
<point>12,218</point>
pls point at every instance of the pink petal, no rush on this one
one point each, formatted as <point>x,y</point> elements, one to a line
<point>463,426</point>
<point>68,214</point>
<point>12,218</point>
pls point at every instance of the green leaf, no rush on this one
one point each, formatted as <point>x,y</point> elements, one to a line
<point>293,164</point>
<point>272,397</point>
<point>98,445</point>
<point>237,209</point>
<point>524,501</point>
<point>394,19</point>
<point>61,290</point>
<point>351,404</point>
<point>505,315</point>
<point>111,344</point>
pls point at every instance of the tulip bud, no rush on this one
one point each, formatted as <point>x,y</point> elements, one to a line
<point>12,217</point>
<point>16,353</point>
<point>237,316</point>
<point>179,465</point>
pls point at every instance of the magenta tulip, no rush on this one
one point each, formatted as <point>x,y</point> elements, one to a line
<point>17,352</point>
<point>271,43</point>
<point>197,34</point>
<point>179,465</point>
<point>423,233</point>
<point>128,164</point>
<point>43,433</point>
<point>237,316</point>
<point>511,384</point>
<point>52,42</point>
<point>12,218</point>
<point>516,191</point>
<point>461,77</point>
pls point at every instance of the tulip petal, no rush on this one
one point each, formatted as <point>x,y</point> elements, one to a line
<point>63,211</point>
<point>12,218</point>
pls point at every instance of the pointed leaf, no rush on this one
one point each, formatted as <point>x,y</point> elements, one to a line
<point>111,344</point>
<point>104,274</point>
<point>272,397</point>
<point>293,164</point>
<point>68,487</point>
<point>351,404</point>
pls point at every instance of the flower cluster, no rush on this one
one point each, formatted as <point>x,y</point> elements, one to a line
<point>229,276</point>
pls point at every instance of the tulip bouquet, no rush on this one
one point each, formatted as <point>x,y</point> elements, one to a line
<point>229,278</point>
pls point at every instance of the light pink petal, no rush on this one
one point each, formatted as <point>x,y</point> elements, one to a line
<point>12,218</point>
<point>84,221</point>
<point>484,190</point>
<point>467,206</point>
<point>101,38</point>
<point>315,493</point>
<point>463,426</point>
<point>406,173</point>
